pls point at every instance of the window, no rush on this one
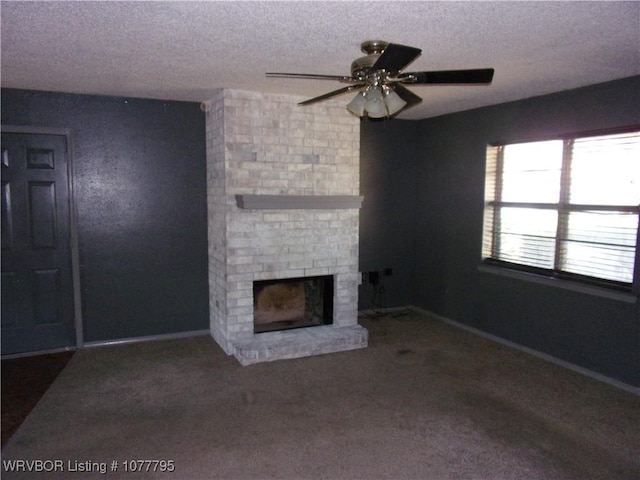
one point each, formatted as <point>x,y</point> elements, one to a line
<point>567,207</point>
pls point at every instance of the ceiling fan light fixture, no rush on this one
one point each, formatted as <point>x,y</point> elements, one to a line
<point>377,114</point>
<point>393,101</point>
<point>356,106</point>
<point>374,104</point>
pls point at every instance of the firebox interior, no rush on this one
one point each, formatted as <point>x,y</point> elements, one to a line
<point>292,303</point>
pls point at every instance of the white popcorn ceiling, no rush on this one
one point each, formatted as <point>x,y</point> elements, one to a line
<point>187,50</point>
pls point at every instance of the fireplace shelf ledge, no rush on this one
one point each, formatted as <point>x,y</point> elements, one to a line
<point>282,202</point>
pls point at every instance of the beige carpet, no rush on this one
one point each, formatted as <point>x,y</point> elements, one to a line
<point>425,400</point>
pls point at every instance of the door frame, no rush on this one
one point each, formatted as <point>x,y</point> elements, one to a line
<point>73,230</point>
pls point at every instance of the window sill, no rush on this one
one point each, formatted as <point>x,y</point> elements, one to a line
<point>557,283</point>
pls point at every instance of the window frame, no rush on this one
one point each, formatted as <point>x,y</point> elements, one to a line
<point>563,207</point>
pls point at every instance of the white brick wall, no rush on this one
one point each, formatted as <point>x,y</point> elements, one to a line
<point>265,144</point>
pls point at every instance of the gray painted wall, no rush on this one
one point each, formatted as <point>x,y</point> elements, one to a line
<point>140,189</point>
<point>447,160</point>
<point>388,182</point>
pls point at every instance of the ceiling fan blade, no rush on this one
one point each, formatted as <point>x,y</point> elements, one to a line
<point>395,57</point>
<point>479,75</point>
<point>407,95</point>
<point>311,76</point>
<point>332,94</point>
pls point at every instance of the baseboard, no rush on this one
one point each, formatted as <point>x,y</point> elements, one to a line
<point>372,312</point>
<point>148,338</point>
<point>11,356</point>
<point>544,356</point>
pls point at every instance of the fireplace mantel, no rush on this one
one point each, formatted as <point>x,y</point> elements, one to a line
<point>281,202</point>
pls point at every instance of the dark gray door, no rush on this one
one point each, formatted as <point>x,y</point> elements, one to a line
<point>37,286</point>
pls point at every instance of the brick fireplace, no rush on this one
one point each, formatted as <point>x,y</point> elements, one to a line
<point>283,185</point>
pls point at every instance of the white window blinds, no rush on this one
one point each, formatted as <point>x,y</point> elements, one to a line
<point>568,206</point>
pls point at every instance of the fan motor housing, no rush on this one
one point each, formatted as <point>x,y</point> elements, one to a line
<point>361,66</point>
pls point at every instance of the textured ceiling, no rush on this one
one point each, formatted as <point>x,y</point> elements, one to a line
<point>186,50</point>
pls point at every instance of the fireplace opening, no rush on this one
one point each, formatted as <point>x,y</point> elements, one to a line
<point>292,303</point>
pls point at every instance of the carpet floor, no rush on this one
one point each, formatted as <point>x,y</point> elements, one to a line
<point>425,400</point>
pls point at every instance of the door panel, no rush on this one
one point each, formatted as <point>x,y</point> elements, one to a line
<point>42,214</point>
<point>37,288</point>
<point>7,225</point>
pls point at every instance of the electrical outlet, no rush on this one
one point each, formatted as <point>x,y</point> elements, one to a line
<point>388,272</point>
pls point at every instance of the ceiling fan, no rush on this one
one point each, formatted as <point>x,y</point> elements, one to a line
<point>379,77</point>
